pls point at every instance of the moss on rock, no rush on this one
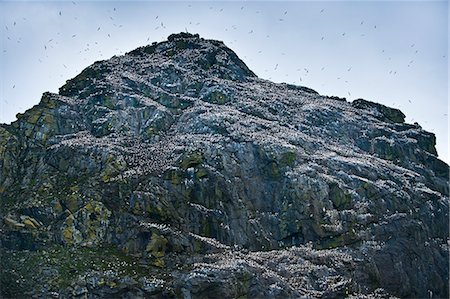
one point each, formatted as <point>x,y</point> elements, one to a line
<point>87,226</point>
<point>341,200</point>
<point>191,160</point>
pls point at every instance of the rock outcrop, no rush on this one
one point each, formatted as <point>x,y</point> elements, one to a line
<point>174,172</point>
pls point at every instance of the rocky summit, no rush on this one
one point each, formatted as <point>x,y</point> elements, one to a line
<point>173,171</point>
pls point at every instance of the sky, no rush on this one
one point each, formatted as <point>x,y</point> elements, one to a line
<point>394,53</point>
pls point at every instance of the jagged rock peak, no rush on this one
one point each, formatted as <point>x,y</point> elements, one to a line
<point>183,57</point>
<point>193,48</point>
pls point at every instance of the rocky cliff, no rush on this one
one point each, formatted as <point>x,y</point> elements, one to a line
<point>174,172</point>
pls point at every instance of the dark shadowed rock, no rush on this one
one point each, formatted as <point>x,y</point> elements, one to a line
<point>174,172</point>
<point>385,113</point>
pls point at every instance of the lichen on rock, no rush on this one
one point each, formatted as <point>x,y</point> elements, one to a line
<point>87,226</point>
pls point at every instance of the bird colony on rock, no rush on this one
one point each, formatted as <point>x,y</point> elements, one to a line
<point>174,172</point>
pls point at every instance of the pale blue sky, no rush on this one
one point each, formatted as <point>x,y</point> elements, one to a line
<point>395,53</point>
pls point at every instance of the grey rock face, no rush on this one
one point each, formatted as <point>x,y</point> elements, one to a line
<point>173,171</point>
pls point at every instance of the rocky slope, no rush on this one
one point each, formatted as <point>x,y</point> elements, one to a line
<point>174,172</point>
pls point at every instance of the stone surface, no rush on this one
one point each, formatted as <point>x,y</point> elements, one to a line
<point>174,172</point>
